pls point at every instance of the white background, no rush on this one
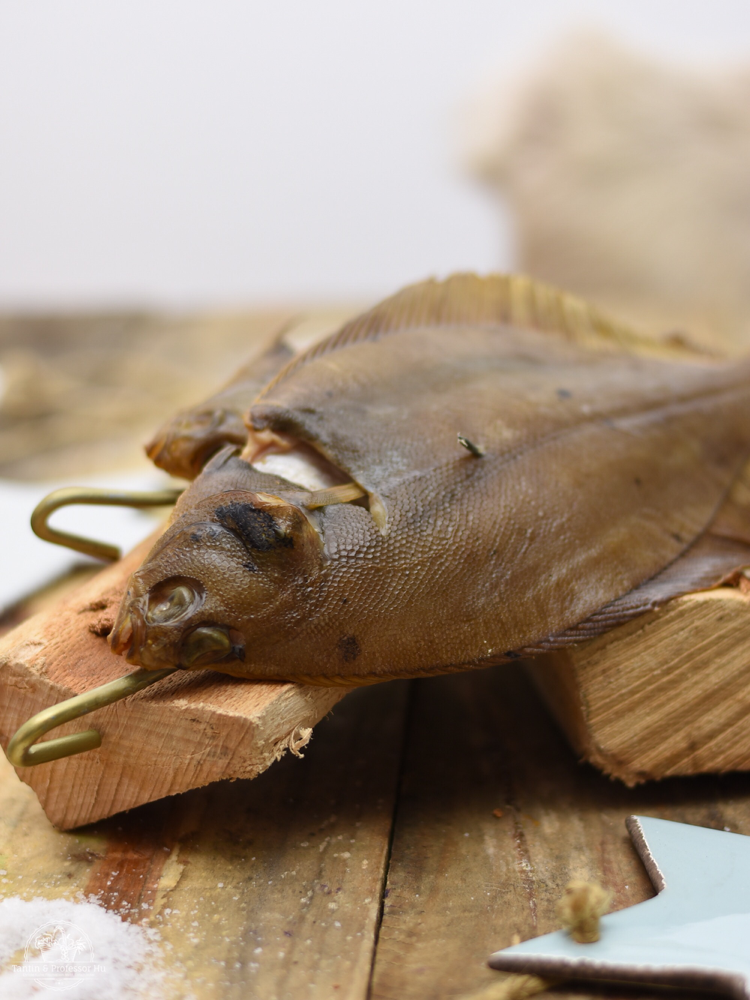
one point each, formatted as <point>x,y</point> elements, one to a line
<point>181,153</point>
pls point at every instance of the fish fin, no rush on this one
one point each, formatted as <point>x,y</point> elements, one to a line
<point>711,562</point>
<point>513,299</point>
<point>715,559</point>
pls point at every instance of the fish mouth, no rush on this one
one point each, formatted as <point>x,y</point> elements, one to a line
<point>121,636</point>
<point>151,656</point>
<point>204,646</point>
<point>130,638</point>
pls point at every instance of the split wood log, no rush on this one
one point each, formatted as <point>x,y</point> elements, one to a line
<point>186,731</point>
<point>666,694</point>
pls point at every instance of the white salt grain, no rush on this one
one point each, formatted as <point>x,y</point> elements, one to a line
<point>128,954</point>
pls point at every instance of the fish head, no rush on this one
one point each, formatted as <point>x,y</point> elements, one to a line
<point>182,445</point>
<point>227,571</point>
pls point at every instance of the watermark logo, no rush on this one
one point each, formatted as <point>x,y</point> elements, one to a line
<point>58,956</point>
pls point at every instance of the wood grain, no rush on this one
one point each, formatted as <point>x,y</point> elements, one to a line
<point>186,731</point>
<point>463,881</point>
<point>269,889</point>
<point>666,694</point>
<point>475,744</point>
<point>284,875</point>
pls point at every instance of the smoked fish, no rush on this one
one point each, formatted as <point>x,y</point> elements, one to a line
<point>474,470</point>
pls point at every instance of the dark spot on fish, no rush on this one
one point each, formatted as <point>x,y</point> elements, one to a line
<point>637,481</point>
<point>344,600</point>
<point>255,528</point>
<point>677,536</point>
<point>250,567</point>
<point>564,393</point>
<point>349,648</point>
<point>195,536</point>
<point>513,654</point>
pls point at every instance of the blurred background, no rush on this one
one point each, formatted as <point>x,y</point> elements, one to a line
<point>178,179</point>
<point>187,154</point>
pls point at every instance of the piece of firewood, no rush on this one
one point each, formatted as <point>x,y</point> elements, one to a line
<point>186,731</point>
<point>666,694</point>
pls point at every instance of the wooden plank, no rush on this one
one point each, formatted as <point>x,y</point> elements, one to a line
<point>269,888</point>
<point>281,879</point>
<point>184,732</point>
<point>463,881</point>
<point>35,858</point>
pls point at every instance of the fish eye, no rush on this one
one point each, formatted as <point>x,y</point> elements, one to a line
<point>171,600</point>
<point>205,645</point>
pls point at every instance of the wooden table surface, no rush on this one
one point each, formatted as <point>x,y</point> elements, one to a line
<point>377,866</point>
<point>430,823</point>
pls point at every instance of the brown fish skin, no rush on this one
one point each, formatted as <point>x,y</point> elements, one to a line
<point>185,442</point>
<point>603,461</point>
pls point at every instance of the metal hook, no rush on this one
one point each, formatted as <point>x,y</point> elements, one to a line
<point>21,751</point>
<point>90,495</point>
